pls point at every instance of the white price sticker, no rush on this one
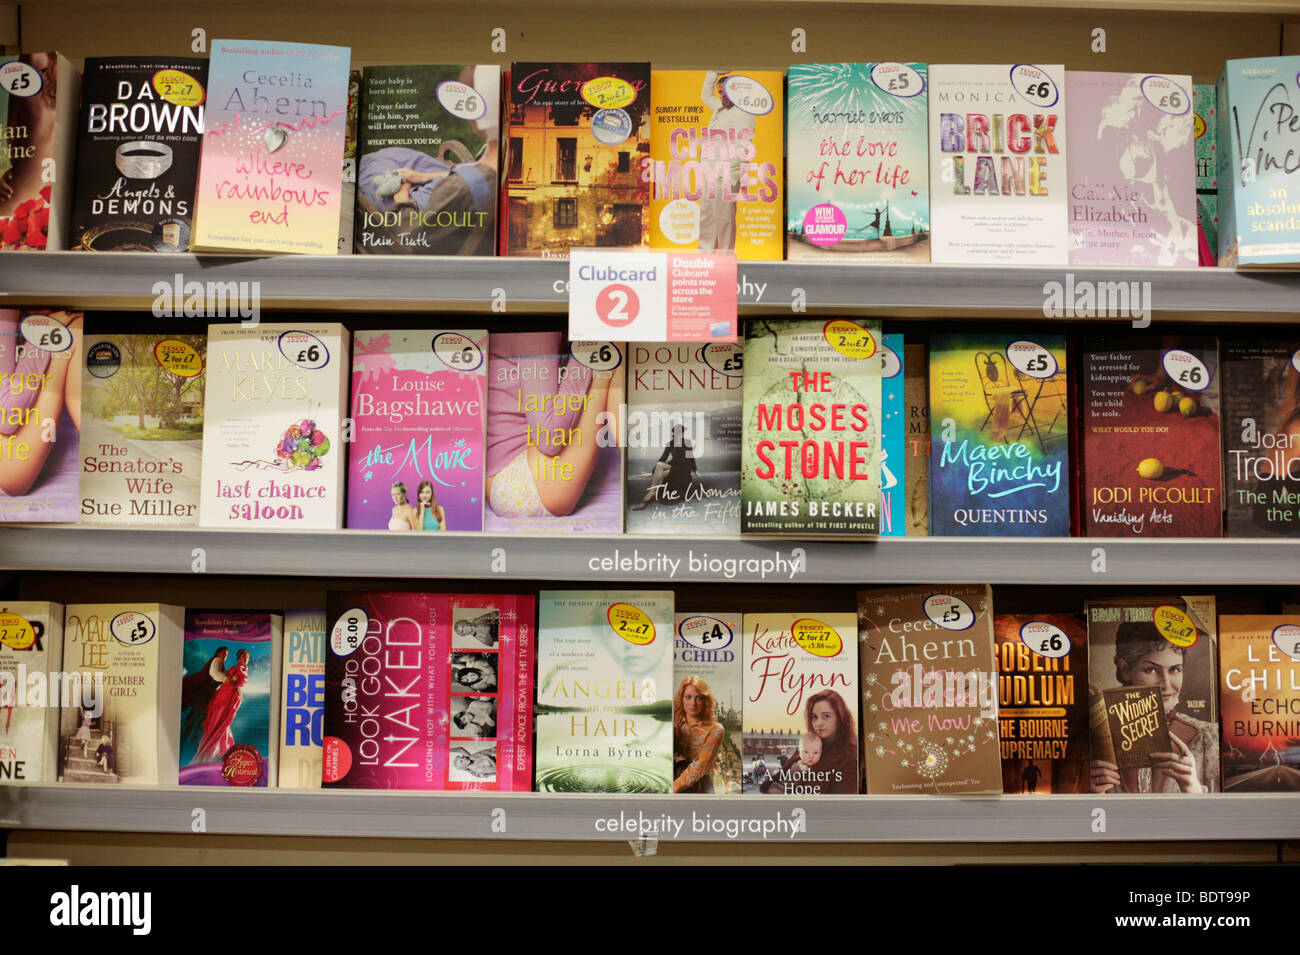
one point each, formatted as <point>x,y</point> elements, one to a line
<point>461,100</point>
<point>1287,639</point>
<point>1166,95</point>
<point>456,351</point>
<point>304,350</point>
<point>46,333</point>
<point>1034,85</point>
<point>348,632</point>
<point>890,365</point>
<point>1032,359</point>
<point>748,94</point>
<point>20,79</point>
<point>1185,370</point>
<point>1045,639</point>
<point>132,628</point>
<point>949,612</point>
<point>598,356</point>
<point>898,79</point>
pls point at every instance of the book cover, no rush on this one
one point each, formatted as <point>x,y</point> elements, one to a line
<point>1132,196</point>
<point>1258,139</point>
<point>1261,437</point>
<point>811,458</point>
<point>999,436</point>
<point>302,696</point>
<point>38,133</point>
<point>707,708</point>
<point>131,733</point>
<point>1205,100</point>
<point>929,690</point>
<point>1149,417</point>
<point>604,691</point>
<point>418,405</point>
<point>31,690</point>
<point>1042,701</point>
<point>141,125</point>
<point>916,392</point>
<point>40,414</point>
<point>998,163</point>
<point>427,165</point>
<point>272,409</point>
<point>429,691</point>
<point>715,166</point>
<point>142,429</point>
<point>800,709</point>
<point>859,170</point>
<point>578,135</point>
<point>893,437</point>
<point>1130,728</point>
<point>1259,691</point>
<point>270,173</point>
<point>348,177</point>
<point>1168,643</point>
<point>554,454</point>
<point>230,698</point>
<point>683,438</point>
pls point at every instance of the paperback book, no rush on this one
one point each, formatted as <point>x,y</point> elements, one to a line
<point>707,710</point>
<point>999,436</point>
<point>811,459</point>
<point>604,691</point>
<point>419,400</point>
<point>715,166</point>
<point>1259,690</point>
<point>916,392</point>
<point>427,169</point>
<point>348,177</point>
<point>1205,99</point>
<point>142,424</point>
<point>929,690</point>
<point>893,437</point>
<point>302,699</point>
<point>800,709</point>
<point>31,691</point>
<point>38,132</point>
<point>683,438</point>
<point>138,141</point>
<point>859,170</point>
<point>1261,438</point>
<point>1137,645</point>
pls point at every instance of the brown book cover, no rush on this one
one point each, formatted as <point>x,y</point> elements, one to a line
<point>916,391</point>
<point>1261,437</point>
<point>929,691</point>
<point>1259,686</point>
<point>1042,701</point>
<point>1137,725</point>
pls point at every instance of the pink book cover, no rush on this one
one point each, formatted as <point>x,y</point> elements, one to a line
<point>429,691</point>
<point>1132,169</point>
<point>418,403</point>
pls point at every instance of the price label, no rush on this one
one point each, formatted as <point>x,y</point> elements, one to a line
<point>608,92</point>
<point>898,79</point>
<point>20,79</point>
<point>849,338</point>
<point>652,296</point>
<point>949,612</point>
<point>132,629</point>
<point>1174,625</point>
<point>705,633</point>
<point>458,352</point>
<point>1295,359</point>
<point>1287,639</point>
<point>178,87</point>
<point>1033,85</point>
<point>748,94</point>
<point>890,364</point>
<point>304,350</point>
<point>817,637</point>
<point>1033,359</point>
<point>1186,370</point>
<point>631,623</point>
<point>461,100</point>
<point>725,358</point>
<point>16,632</point>
<point>178,358</point>
<point>598,356</point>
<point>46,333</point>
<point>1166,95</point>
<point>348,631</point>
<point>1045,639</point>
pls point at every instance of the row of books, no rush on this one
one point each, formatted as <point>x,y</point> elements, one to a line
<point>844,162</point>
<point>811,428</point>
<point>924,690</point>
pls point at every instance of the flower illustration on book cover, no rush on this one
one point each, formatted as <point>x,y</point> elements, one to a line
<point>29,226</point>
<point>302,446</point>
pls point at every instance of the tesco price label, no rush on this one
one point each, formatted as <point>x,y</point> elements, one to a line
<point>1186,370</point>
<point>1045,639</point>
<point>652,296</point>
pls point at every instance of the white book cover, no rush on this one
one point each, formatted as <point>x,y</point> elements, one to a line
<point>998,183</point>
<point>272,454</point>
<point>31,648</point>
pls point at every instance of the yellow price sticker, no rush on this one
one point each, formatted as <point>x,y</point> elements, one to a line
<point>178,87</point>
<point>179,358</point>
<point>16,632</point>
<point>818,638</point>
<point>849,338</point>
<point>631,623</point>
<point>1174,625</point>
<point>608,92</point>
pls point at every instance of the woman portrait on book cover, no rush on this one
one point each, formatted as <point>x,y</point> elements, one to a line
<point>696,737</point>
<point>197,690</point>
<point>403,516</point>
<point>827,716</point>
<point>428,513</point>
<point>217,737</point>
<point>483,628</point>
<point>673,473</point>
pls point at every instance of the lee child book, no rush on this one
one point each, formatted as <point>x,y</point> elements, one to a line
<point>230,698</point>
<point>715,165</point>
<point>811,459</point>
<point>1261,438</point>
<point>142,423</point>
<point>707,707</point>
<point>1205,100</point>
<point>1149,417</point>
<point>683,438</point>
<point>929,690</point>
<point>1259,691</point>
<point>1167,644</point>
<point>893,437</point>
<point>131,735</point>
<point>302,699</point>
<point>554,456</point>
<point>998,163</point>
<point>605,691</point>
<point>31,690</point>
<point>1042,701</point>
<point>1132,199</point>
<point>999,436</point>
<point>272,456</point>
<point>270,174</point>
<point>859,171</point>
<point>141,126</point>
<point>427,160</point>
<point>578,134</point>
<point>419,399</point>
<point>38,130</point>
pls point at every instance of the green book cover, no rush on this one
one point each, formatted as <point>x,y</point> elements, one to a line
<point>1205,100</point>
